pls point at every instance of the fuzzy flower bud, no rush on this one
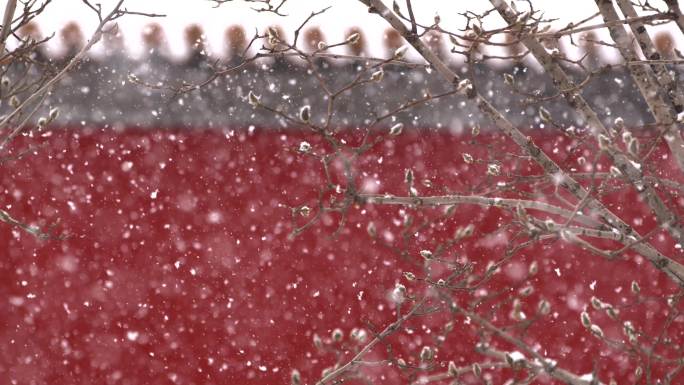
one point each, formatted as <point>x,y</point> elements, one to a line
<point>477,370</point>
<point>544,115</point>
<point>304,147</point>
<point>396,129</point>
<point>586,321</point>
<point>304,211</point>
<point>353,38</point>
<point>427,354</point>
<point>305,114</point>
<point>596,330</point>
<point>272,35</point>
<point>452,369</point>
<point>493,169</point>
<point>317,341</point>
<point>295,377</point>
<point>253,99</point>
<point>544,307</point>
<point>377,76</point>
<point>399,293</point>
<point>358,335</point>
<point>337,335</point>
<point>603,142</point>
<point>533,269</point>
<point>400,52</point>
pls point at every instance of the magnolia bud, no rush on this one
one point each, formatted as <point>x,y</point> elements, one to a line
<point>477,30</point>
<point>400,52</point>
<point>272,35</point>
<point>353,38</point>
<point>427,254</point>
<point>493,169</point>
<point>427,354</point>
<point>317,341</point>
<point>337,335</point>
<point>544,115</point>
<point>305,114</point>
<point>295,377</point>
<point>544,307</point>
<point>633,147</point>
<point>638,372</point>
<point>586,321</point>
<point>377,75</point>
<point>372,231</point>
<point>597,331</point>
<point>464,86</point>
<point>477,370</point>
<point>304,211</point>
<point>612,312</point>
<point>615,172</point>
<point>358,335</point>
<point>452,370</point>
<point>526,291</point>
<point>533,269</point>
<point>396,129</point>
<point>437,19</point>
<point>322,45</point>
<point>408,176</point>
<point>253,99</point>
<point>399,293</point>
<point>326,371</point>
<point>304,147</point>
<point>604,142</point>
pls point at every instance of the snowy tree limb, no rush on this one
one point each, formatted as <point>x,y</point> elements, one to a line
<point>10,7</point>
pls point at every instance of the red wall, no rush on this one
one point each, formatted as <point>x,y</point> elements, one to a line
<point>201,285</point>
